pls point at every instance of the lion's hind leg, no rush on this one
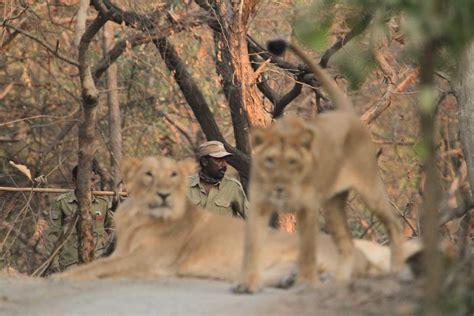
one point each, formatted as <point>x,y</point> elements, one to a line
<point>334,210</point>
<point>376,199</point>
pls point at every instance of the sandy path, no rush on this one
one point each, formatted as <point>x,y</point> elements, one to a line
<point>23,296</point>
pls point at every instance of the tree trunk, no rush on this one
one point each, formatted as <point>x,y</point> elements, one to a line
<point>432,193</point>
<point>235,30</point>
<point>465,97</point>
<point>232,92</point>
<point>87,145</point>
<point>115,131</point>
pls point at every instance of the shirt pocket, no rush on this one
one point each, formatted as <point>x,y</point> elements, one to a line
<point>54,220</point>
<point>55,215</point>
<point>99,218</point>
<point>223,207</point>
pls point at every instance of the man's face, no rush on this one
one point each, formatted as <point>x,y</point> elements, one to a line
<point>215,167</point>
<point>95,181</point>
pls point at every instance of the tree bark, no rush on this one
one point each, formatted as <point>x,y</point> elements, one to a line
<point>230,26</point>
<point>234,21</point>
<point>232,93</point>
<point>115,130</point>
<point>465,97</point>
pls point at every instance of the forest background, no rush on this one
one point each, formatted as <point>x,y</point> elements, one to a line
<point>149,77</point>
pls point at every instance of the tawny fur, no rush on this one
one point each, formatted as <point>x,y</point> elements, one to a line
<point>171,237</point>
<point>301,166</point>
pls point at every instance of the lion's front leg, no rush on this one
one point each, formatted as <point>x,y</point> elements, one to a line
<point>123,266</point>
<point>308,232</point>
<point>256,231</point>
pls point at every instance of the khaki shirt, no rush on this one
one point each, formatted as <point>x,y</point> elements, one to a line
<point>222,197</point>
<point>61,216</point>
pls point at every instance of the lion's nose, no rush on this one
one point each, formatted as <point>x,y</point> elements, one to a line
<point>163,195</point>
<point>279,190</point>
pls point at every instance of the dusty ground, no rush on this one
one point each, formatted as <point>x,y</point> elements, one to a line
<point>23,296</point>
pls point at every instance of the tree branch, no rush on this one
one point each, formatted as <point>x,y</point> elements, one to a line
<point>175,26</point>
<point>197,102</point>
<point>52,50</point>
<point>358,29</point>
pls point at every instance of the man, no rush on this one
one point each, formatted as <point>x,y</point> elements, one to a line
<point>211,189</point>
<point>62,216</point>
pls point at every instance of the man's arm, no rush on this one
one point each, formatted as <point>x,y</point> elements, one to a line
<point>240,204</point>
<point>55,226</point>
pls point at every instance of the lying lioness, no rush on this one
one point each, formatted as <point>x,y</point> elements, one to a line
<point>159,233</point>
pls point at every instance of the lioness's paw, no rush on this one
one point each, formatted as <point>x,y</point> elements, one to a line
<point>304,286</point>
<point>287,281</point>
<point>243,288</point>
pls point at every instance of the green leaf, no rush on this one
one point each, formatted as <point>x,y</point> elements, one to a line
<point>312,34</point>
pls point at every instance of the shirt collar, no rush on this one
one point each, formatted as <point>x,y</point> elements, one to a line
<point>195,182</point>
<point>73,198</point>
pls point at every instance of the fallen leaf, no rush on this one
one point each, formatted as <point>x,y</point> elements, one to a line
<point>24,169</point>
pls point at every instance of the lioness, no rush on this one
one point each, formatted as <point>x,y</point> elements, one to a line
<point>305,165</point>
<point>159,233</point>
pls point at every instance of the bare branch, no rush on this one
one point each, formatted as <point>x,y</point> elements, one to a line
<point>176,26</point>
<point>81,20</point>
<point>52,50</point>
<point>358,29</point>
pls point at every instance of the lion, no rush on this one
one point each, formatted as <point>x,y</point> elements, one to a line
<point>302,166</point>
<point>161,234</point>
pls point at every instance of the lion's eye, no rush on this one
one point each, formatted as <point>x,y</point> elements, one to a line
<point>148,173</point>
<point>292,162</point>
<point>269,161</point>
<point>174,174</point>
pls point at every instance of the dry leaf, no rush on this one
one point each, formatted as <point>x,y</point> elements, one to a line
<point>24,169</point>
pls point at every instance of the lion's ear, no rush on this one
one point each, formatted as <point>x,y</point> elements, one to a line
<point>257,136</point>
<point>188,166</point>
<point>128,167</point>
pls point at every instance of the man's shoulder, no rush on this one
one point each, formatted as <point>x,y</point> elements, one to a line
<point>68,196</point>
<point>232,182</point>
<point>193,179</point>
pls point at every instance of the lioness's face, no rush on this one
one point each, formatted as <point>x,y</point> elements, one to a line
<point>158,184</point>
<point>281,162</point>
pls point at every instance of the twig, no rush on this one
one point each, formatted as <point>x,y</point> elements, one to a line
<point>404,218</point>
<point>42,43</point>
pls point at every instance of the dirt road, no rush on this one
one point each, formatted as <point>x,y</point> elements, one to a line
<point>23,296</point>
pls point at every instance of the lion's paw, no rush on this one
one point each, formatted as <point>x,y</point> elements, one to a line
<point>287,281</point>
<point>243,288</point>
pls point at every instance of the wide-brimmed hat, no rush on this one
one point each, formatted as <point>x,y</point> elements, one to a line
<point>214,149</point>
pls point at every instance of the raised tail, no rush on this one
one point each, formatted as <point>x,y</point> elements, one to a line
<point>338,98</point>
